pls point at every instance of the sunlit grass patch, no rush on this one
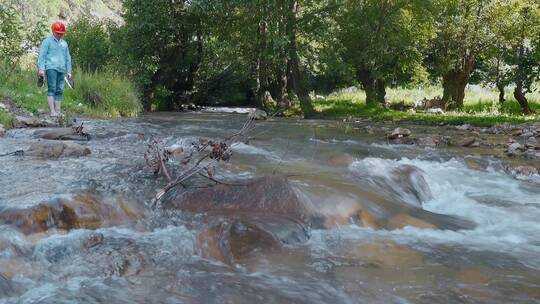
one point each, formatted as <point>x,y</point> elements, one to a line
<point>479,109</point>
<point>5,120</point>
<point>102,94</point>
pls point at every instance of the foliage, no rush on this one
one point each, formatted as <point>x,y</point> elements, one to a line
<point>273,53</point>
<point>106,94</point>
<point>479,107</point>
<point>11,37</point>
<point>384,40</point>
<point>90,44</point>
<point>6,120</point>
<point>99,94</point>
<point>164,46</point>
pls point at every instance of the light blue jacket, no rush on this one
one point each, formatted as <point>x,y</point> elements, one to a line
<point>54,55</point>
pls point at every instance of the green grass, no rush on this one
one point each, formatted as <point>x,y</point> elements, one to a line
<point>479,109</point>
<point>5,119</point>
<point>100,95</point>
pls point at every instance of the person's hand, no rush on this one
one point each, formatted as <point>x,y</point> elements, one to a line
<point>41,73</point>
<point>69,76</point>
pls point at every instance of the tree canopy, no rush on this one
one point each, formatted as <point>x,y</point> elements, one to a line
<point>273,53</point>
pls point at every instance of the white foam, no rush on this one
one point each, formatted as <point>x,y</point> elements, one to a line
<point>243,148</point>
<point>513,227</point>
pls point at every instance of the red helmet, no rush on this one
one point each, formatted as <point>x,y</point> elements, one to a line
<point>58,27</point>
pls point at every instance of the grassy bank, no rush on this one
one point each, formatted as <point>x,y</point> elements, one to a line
<point>99,95</point>
<point>481,107</point>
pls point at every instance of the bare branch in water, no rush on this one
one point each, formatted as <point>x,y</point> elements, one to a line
<point>78,130</point>
<point>205,154</point>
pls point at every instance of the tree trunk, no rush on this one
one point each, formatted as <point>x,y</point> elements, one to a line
<point>282,68</point>
<point>500,87</point>
<point>381,91</point>
<point>281,98</point>
<point>148,96</point>
<point>296,75</point>
<point>375,88</point>
<point>262,84</point>
<point>522,100</point>
<point>454,84</point>
<point>371,92</point>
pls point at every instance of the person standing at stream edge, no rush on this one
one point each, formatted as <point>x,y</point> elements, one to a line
<point>54,62</point>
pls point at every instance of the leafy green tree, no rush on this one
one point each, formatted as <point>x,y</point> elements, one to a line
<point>384,40</point>
<point>163,47</point>
<point>16,39</point>
<point>11,39</point>
<point>464,32</point>
<point>90,44</point>
<point>263,41</point>
<point>523,40</point>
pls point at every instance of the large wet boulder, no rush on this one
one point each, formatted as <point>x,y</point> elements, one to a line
<point>257,214</point>
<point>87,210</point>
<point>403,183</point>
<point>266,196</point>
<point>2,130</point>
<point>56,150</point>
<point>229,241</point>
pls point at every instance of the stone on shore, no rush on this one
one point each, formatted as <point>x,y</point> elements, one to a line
<point>467,142</point>
<point>31,122</point>
<point>399,132</point>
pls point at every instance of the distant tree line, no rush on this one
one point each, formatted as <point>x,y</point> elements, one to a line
<point>272,53</point>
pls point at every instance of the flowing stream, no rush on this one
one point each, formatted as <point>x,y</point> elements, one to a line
<point>486,248</point>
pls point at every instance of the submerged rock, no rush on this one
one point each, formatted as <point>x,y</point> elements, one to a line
<point>60,134</point>
<point>229,241</point>
<point>87,210</point>
<point>369,220</point>
<point>386,254</point>
<point>262,212</point>
<point>269,195</point>
<point>55,150</point>
<point>400,221</point>
<point>6,287</point>
<point>341,160</point>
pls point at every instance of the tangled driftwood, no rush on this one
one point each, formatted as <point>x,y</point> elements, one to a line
<point>200,159</point>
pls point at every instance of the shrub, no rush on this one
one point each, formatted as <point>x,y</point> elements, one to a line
<point>11,37</point>
<point>90,45</point>
<point>106,94</point>
<point>5,120</point>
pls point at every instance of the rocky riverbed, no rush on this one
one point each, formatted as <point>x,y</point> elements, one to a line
<point>305,212</point>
